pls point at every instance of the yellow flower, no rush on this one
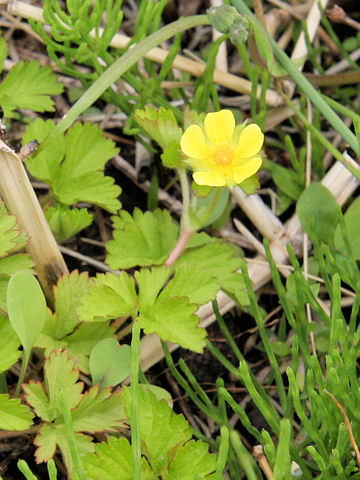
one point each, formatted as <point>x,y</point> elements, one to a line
<point>220,156</point>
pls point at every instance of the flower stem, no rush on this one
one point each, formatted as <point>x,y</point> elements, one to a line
<point>185,230</point>
<point>179,247</point>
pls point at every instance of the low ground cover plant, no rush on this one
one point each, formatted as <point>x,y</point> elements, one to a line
<point>266,313</point>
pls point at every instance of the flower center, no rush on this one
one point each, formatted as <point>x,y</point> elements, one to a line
<point>223,155</point>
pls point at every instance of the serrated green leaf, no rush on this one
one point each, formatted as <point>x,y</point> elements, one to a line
<point>150,282</point>
<point>317,206</point>
<point>73,166</point>
<point>91,187</point>
<point>352,223</point>
<point>46,443</point>
<point>37,398</point>
<point>11,238</point>
<point>99,411</point>
<point>111,296</point>
<point>28,85</point>
<point>142,239</point>
<point>172,157</point>
<point>199,285</point>
<point>61,379</point>
<point>161,125</point>
<point>9,344</point>
<point>218,258</point>
<point>13,415</point>
<point>15,263</point>
<point>65,222</point>
<point>196,455</point>
<point>174,319</point>
<point>161,430</point>
<point>52,435</point>
<point>113,461</point>
<point>44,165</point>
<point>80,343</point>
<point>109,362</point>
<point>68,293</point>
<point>87,150</point>
<point>160,393</point>
<point>86,153</point>
<point>26,308</point>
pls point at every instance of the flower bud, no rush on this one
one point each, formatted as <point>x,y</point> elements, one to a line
<point>222,17</point>
<point>239,30</point>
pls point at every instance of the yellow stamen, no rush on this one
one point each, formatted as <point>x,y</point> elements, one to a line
<point>223,155</point>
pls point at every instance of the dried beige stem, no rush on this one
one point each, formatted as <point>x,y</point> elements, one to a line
<point>20,200</point>
<point>159,55</point>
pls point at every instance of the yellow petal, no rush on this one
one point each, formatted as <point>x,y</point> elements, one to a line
<point>250,141</point>
<point>193,142</point>
<point>220,126</point>
<point>246,170</point>
<point>213,179</point>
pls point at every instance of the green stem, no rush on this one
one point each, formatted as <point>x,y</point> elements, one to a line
<point>303,83</point>
<point>24,365</point>
<point>71,439</point>
<point>134,408</point>
<point>185,192</point>
<point>120,66</point>
<point>186,232</point>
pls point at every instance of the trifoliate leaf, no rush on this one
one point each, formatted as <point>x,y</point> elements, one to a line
<point>174,319</point>
<point>11,239</point>
<point>196,454</point>
<point>113,461</point>
<point>74,165</point>
<point>99,411</point>
<point>87,151</point>
<point>28,85</point>
<point>109,362</point>
<point>199,285</point>
<point>142,239</point>
<point>9,344</point>
<point>65,222</point>
<point>161,125</point>
<point>13,415</point>
<point>68,292</point>
<point>111,296</point>
<point>62,380</point>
